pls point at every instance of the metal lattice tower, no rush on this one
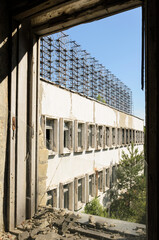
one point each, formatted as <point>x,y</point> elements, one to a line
<point>65,63</point>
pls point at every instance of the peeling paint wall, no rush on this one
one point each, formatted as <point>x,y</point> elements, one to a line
<point>42,162</point>
<point>42,169</point>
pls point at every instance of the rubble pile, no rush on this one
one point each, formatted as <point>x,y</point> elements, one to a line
<point>50,223</point>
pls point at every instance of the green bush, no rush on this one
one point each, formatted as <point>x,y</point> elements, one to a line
<point>95,208</point>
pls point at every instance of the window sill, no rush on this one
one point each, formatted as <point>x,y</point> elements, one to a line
<point>89,149</point>
<point>51,152</point>
<point>66,151</point>
<point>79,150</point>
<point>98,148</point>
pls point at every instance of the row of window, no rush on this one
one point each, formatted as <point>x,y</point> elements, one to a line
<point>74,194</point>
<point>80,136</point>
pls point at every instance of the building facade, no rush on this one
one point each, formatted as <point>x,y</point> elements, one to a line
<point>85,139</point>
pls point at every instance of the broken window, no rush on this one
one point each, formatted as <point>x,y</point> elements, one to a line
<point>49,133</point>
<point>49,198</point>
<point>99,137</point>
<point>113,174</point>
<point>66,133</point>
<point>107,177</point>
<point>80,190</point>
<point>107,137</point>
<point>100,181</point>
<point>79,140</point>
<point>127,136</point>
<point>66,195</point>
<point>123,136</point>
<point>49,126</point>
<point>137,136</point>
<point>52,197</point>
<point>90,136</point>
<point>113,136</point>
<point>130,132</point>
<point>91,185</point>
<point>118,136</point>
<point>133,132</point>
<point>80,135</point>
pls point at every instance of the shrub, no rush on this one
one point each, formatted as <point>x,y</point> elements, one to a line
<point>95,208</point>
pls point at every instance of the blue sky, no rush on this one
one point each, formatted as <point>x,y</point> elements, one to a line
<point>116,42</point>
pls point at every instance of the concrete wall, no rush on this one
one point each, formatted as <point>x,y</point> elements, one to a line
<point>60,103</point>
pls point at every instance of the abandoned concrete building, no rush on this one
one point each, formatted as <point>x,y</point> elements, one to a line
<point>22,23</point>
<point>84,146</point>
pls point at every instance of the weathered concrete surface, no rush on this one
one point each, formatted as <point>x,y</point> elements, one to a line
<point>4,66</point>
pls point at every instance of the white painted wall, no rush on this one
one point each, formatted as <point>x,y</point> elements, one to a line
<point>60,103</point>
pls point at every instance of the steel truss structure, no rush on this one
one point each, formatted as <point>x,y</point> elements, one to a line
<point>65,63</point>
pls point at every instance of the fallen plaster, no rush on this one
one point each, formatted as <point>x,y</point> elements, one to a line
<point>52,223</point>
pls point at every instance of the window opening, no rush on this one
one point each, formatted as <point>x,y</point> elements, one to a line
<point>66,195</point>
<point>127,136</point>
<point>100,180</point>
<point>133,136</point>
<point>107,177</point>
<point>80,190</point>
<point>49,198</point>
<point>113,136</point>
<point>49,134</point>
<point>118,136</point>
<point>80,135</point>
<point>123,136</point>
<point>91,136</point>
<point>66,134</point>
<point>91,185</point>
<point>107,136</point>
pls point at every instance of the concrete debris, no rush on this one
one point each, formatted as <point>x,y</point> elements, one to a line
<point>51,223</point>
<point>6,235</point>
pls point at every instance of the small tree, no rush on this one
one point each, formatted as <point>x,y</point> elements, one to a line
<point>128,196</point>
<point>99,98</point>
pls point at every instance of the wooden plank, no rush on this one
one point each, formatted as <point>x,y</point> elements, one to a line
<point>25,9</point>
<point>30,9</point>
<point>32,126</point>
<point>72,17</point>
<point>65,9</point>
<point>22,155</point>
<point>13,132</point>
<point>37,123</point>
<point>152,113</point>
